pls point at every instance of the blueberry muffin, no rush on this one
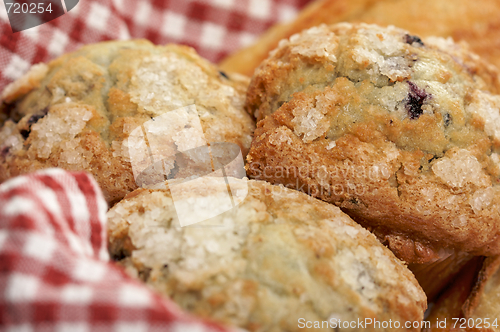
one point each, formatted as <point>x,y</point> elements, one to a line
<point>279,261</point>
<point>402,133</point>
<point>78,111</point>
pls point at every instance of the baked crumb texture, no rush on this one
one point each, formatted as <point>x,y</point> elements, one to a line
<point>77,111</point>
<point>280,255</point>
<point>400,132</point>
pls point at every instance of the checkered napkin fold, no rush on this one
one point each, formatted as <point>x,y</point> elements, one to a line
<point>55,272</point>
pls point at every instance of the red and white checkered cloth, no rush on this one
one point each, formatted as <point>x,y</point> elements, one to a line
<point>55,273</point>
<point>213,27</point>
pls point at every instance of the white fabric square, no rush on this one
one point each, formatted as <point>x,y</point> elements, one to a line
<point>21,288</point>
<point>286,13</point>
<point>77,294</point>
<point>227,4</point>
<point>58,43</point>
<point>143,13</point>
<point>21,328</point>
<point>131,327</point>
<point>3,14</point>
<point>89,270</point>
<point>174,25</point>
<point>246,39</point>
<point>118,4</point>
<point>39,247</point>
<point>212,35</point>
<point>134,296</point>
<point>18,205</point>
<point>260,8</point>
<point>57,173</point>
<point>79,209</point>
<point>33,33</point>
<point>123,33</point>
<point>50,202</point>
<point>73,327</point>
<point>19,181</point>
<point>80,246</point>
<point>3,237</point>
<point>98,16</point>
<point>188,327</point>
<point>16,67</point>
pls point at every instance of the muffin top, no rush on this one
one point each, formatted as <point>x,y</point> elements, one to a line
<point>407,129</point>
<point>276,257</point>
<point>386,77</point>
<point>78,111</point>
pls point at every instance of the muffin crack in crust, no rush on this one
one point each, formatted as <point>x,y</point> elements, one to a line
<point>78,111</point>
<point>402,133</point>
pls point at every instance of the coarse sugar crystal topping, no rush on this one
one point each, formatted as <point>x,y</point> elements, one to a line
<point>316,42</point>
<point>375,46</point>
<point>159,239</point>
<point>166,82</point>
<point>481,199</point>
<point>487,107</point>
<point>10,140</point>
<point>280,136</point>
<point>460,169</point>
<point>62,123</point>
<point>310,122</point>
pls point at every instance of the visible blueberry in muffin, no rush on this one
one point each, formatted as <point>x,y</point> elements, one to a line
<point>415,101</point>
<point>410,39</point>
